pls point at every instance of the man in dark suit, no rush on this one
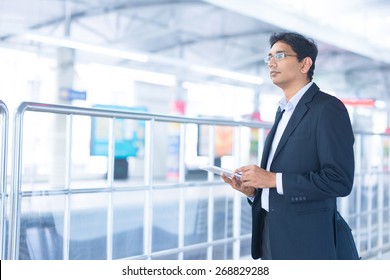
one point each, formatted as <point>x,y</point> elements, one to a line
<point>307,161</point>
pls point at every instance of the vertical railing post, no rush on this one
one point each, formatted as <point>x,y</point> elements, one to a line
<point>380,195</point>
<point>68,179</point>
<point>15,192</point>
<point>182,170</point>
<point>148,181</point>
<point>237,197</point>
<point>358,188</point>
<point>110,183</point>
<point>210,212</point>
<point>3,176</point>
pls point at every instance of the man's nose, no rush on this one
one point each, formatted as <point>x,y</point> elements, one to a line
<point>271,61</point>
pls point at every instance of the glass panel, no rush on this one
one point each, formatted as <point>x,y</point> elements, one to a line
<point>43,151</point>
<point>245,248</point>
<point>254,145</point>
<point>41,228</point>
<point>364,221</point>
<point>128,146</point>
<point>165,219</point>
<point>374,193</point>
<point>198,254</point>
<point>222,145</point>
<point>386,216</point>
<point>223,213</point>
<point>386,235</point>
<point>352,223</point>
<point>364,198</point>
<point>173,152</point>
<point>246,217</point>
<point>374,238</point>
<point>196,215</point>
<point>128,226</point>
<point>166,257</point>
<point>386,191</point>
<point>165,146</point>
<point>222,252</point>
<point>353,198</point>
<point>81,149</point>
<point>193,158</point>
<point>129,167</point>
<point>88,226</point>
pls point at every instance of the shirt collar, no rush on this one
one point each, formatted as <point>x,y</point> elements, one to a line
<point>292,103</point>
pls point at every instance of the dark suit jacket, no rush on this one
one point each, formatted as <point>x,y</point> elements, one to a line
<point>315,156</point>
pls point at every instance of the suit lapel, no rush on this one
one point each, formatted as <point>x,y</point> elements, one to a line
<point>299,112</point>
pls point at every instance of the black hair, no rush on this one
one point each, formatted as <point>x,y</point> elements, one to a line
<point>302,46</point>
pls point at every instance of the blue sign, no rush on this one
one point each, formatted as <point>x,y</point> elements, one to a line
<point>129,134</point>
<point>71,94</point>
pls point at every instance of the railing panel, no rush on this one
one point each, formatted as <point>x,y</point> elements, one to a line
<point>367,208</point>
<point>148,217</point>
<point>191,214</point>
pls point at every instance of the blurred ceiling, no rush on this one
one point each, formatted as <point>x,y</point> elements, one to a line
<point>211,40</point>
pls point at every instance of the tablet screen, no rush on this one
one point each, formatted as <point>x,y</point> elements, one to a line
<point>219,171</point>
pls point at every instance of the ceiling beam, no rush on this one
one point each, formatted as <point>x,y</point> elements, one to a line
<point>92,11</point>
<point>303,24</point>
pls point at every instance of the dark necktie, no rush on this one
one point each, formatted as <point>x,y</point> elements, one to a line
<point>270,137</point>
<point>278,117</point>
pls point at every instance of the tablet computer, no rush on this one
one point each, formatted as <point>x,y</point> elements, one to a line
<point>220,171</point>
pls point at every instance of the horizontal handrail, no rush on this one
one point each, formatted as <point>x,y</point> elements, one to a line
<point>205,184</point>
<point>115,113</point>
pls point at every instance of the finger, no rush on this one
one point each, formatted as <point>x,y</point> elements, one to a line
<point>226,179</point>
<point>242,169</point>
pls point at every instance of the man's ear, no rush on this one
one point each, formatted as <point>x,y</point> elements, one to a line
<point>307,63</point>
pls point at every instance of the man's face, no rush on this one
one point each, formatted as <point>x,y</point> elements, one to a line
<point>285,71</point>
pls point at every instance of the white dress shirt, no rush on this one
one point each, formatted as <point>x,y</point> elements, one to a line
<point>289,107</point>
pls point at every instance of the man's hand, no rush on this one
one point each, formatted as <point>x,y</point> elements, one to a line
<point>256,177</point>
<point>237,185</point>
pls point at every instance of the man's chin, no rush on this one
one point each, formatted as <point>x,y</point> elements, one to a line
<point>275,81</point>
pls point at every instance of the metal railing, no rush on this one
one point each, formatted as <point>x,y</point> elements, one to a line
<point>368,206</point>
<point>149,185</point>
<point>367,209</point>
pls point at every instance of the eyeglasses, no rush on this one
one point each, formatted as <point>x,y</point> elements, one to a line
<point>278,56</point>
